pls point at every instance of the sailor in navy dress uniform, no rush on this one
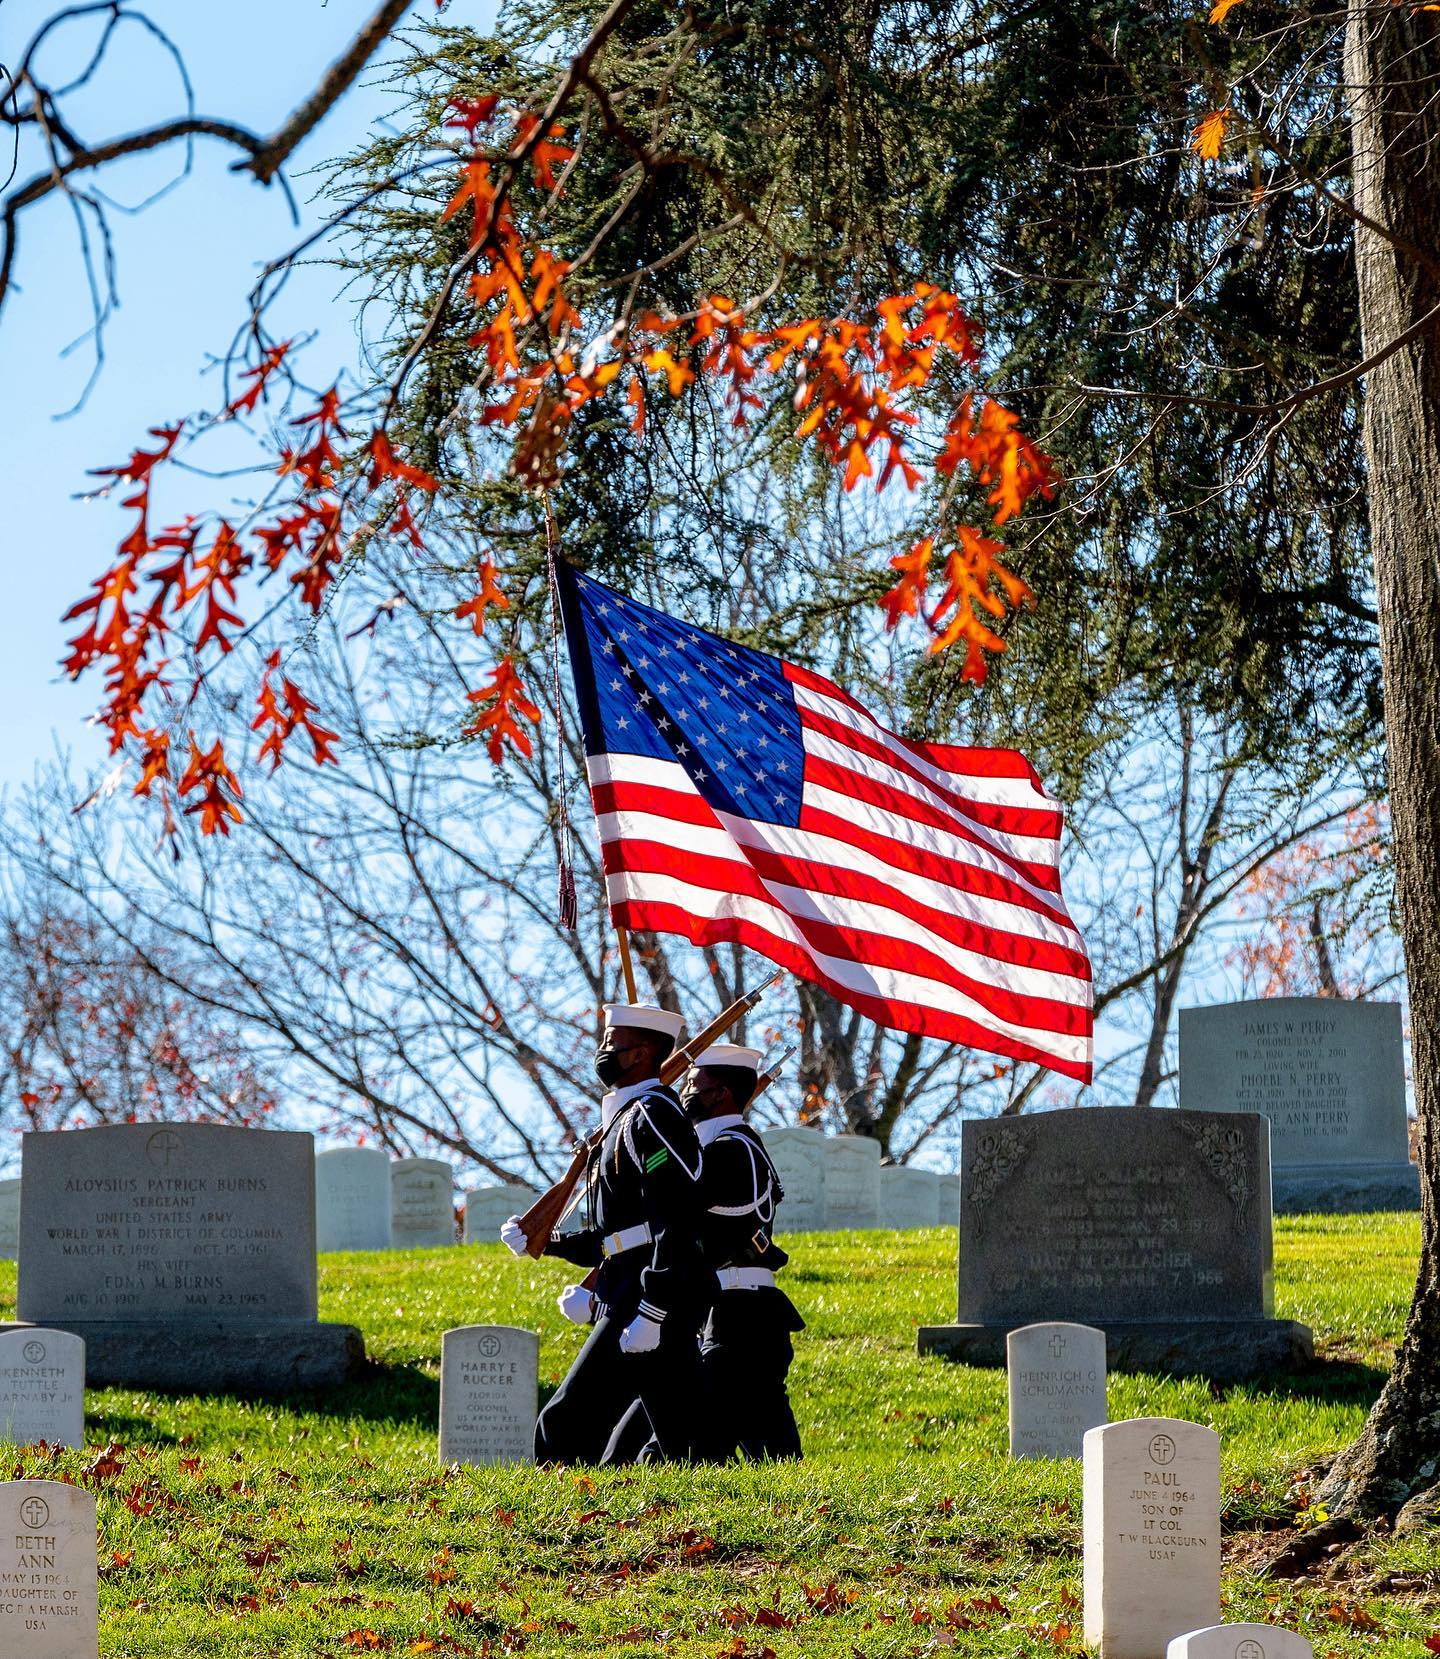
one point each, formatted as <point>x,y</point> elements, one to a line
<point>745,1344</point>
<point>643,1187</point>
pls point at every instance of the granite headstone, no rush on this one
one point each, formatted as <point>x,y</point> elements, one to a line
<point>489,1394</point>
<point>49,1574</point>
<point>852,1182</point>
<point>10,1219</point>
<point>949,1200</point>
<point>183,1254</point>
<point>799,1159</point>
<point>1151,1532</point>
<point>909,1197</point>
<point>1152,1225</point>
<point>422,1203</point>
<point>42,1387</point>
<point>1239,1641</point>
<point>487,1209</point>
<point>1056,1386</point>
<point>352,1198</point>
<point>1330,1077</point>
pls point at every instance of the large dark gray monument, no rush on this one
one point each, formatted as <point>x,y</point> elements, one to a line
<point>1330,1077</point>
<point>1152,1225</point>
<point>183,1254</point>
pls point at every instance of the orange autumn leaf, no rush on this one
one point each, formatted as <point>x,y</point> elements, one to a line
<point>259,378</point>
<point>154,760</point>
<point>635,396</point>
<point>476,188</point>
<point>500,701</point>
<point>1209,134</point>
<point>285,713</point>
<point>219,789</point>
<point>678,374</point>
<point>1222,9</point>
<point>384,463</point>
<point>970,569</point>
<point>999,455</point>
<point>545,154</point>
<point>905,597</point>
<point>489,594</point>
<point>472,113</point>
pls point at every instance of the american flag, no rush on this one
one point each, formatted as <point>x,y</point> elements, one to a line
<point>743,798</point>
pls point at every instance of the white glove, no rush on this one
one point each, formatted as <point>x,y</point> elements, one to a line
<point>513,1234</point>
<point>640,1336</point>
<point>577,1304</point>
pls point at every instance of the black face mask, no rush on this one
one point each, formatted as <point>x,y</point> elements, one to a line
<point>610,1065</point>
<point>697,1105</point>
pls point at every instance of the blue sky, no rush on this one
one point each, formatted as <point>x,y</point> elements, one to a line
<point>185,265</point>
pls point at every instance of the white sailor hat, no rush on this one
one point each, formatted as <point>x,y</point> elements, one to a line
<point>729,1054</point>
<point>641,1014</point>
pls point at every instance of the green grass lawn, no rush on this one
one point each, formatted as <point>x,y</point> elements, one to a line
<point>327,1528</point>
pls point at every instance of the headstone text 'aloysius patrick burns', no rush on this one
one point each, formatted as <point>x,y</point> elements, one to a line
<point>183,1254</point>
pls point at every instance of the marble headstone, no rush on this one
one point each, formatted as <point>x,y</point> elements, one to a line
<point>136,1221</point>
<point>184,1255</point>
<point>1151,1530</point>
<point>1239,1641</point>
<point>422,1203</point>
<point>10,1219</point>
<point>909,1197</point>
<point>852,1182</point>
<point>352,1199</point>
<point>49,1574</point>
<point>949,1200</point>
<point>1330,1077</point>
<point>489,1394</point>
<point>42,1387</point>
<point>799,1159</point>
<point>1057,1388</point>
<point>1152,1225</point>
<point>487,1209</point>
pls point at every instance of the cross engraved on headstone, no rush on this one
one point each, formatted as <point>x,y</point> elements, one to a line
<point>1162,1449</point>
<point>35,1353</point>
<point>1057,1345</point>
<point>34,1512</point>
<point>1239,1641</point>
<point>162,1146</point>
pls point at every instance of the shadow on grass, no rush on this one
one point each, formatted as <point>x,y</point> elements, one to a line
<point>382,1393</point>
<point>395,1394</point>
<point>1326,1382</point>
<point>102,1425</point>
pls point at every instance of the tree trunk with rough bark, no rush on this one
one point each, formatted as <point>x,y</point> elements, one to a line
<point>1393,72</point>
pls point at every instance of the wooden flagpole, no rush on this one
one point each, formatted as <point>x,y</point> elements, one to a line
<point>626,966</point>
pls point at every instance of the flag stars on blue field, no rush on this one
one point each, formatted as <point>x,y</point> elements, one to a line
<point>753,759</point>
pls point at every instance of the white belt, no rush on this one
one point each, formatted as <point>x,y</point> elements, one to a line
<point>745,1278</point>
<point>628,1238</point>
